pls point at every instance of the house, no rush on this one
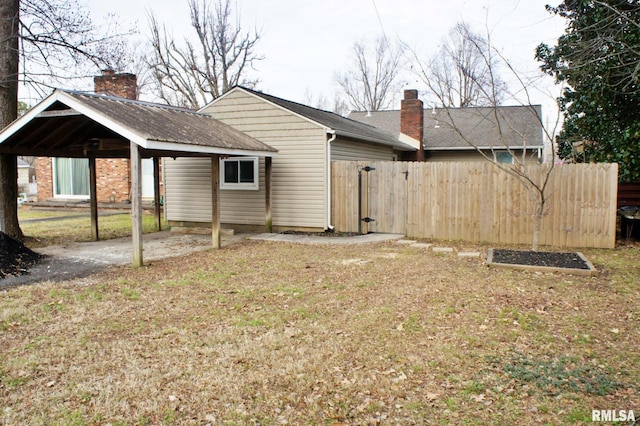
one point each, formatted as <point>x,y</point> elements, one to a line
<point>307,140</point>
<point>456,134</point>
<point>61,178</point>
<point>23,176</point>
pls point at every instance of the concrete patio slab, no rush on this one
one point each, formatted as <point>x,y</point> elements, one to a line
<point>312,239</point>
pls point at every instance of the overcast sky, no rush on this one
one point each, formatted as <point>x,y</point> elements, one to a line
<point>305,42</point>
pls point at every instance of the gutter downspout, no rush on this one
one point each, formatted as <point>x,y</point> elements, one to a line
<point>331,139</point>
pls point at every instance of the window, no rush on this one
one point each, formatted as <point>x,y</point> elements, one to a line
<point>239,173</point>
<point>504,157</point>
<point>71,177</point>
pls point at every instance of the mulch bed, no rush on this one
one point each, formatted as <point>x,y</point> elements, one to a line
<point>539,258</point>
<point>15,258</point>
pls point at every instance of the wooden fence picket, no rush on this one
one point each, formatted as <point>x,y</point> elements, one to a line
<point>476,201</point>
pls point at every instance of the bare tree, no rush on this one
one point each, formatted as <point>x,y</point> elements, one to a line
<point>9,12</point>
<point>193,74</point>
<point>463,72</point>
<point>60,42</point>
<point>52,40</point>
<point>489,85</point>
<point>372,77</point>
<point>337,104</point>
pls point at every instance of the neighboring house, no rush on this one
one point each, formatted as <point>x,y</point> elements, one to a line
<point>23,176</point>
<point>307,140</point>
<point>68,178</point>
<point>455,134</point>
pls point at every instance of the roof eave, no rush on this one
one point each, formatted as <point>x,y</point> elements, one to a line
<point>177,146</point>
<point>394,144</point>
<point>19,123</point>
<point>474,148</point>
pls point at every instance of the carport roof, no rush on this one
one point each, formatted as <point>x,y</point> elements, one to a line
<point>75,124</point>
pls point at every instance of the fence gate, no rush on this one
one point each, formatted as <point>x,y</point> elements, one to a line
<point>384,200</point>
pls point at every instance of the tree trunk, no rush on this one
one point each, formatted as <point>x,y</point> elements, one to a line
<point>537,230</point>
<point>9,11</point>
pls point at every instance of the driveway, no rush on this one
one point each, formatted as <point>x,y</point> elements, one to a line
<point>76,260</point>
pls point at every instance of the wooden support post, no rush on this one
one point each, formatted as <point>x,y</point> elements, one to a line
<point>93,198</point>
<point>156,193</point>
<point>267,194</point>
<point>136,204</point>
<point>215,201</point>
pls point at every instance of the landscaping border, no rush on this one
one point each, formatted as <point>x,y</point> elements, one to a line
<point>592,271</point>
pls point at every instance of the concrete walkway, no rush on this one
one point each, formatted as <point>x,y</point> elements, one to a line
<point>311,239</point>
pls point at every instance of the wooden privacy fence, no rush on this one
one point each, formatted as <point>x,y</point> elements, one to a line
<point>476,202</point>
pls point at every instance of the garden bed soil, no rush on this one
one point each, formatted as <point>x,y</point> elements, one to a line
<point>541,261</point>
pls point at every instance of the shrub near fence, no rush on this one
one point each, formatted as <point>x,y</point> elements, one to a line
<point>477,202</point>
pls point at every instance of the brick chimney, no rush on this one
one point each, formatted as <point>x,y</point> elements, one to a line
<point>122,85</point>
<point>412,119</point>
<point>114,174</point>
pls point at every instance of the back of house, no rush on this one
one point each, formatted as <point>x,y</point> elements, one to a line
<point>307,140</point>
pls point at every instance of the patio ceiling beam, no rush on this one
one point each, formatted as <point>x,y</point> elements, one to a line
<point>58,113</point>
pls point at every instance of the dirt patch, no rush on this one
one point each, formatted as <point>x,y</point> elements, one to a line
<point>540,258</point>
<point>15,258</point>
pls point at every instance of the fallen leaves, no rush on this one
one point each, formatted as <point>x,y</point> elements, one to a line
<point>251,335</point>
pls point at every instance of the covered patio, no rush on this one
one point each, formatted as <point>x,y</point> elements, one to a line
<point>79,125</point>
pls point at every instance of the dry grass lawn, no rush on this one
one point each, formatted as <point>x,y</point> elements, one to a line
<point>72,228</point>
<point>266,333</point>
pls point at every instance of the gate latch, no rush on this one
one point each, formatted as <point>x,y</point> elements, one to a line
<point>368,219</point>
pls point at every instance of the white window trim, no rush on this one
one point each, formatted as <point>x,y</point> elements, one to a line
<point>55,186</point>
<point>254,186</point>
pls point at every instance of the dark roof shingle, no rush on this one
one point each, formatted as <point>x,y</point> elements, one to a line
<point>482,127</point>
<point>156,122</point>
<point>343,126</point>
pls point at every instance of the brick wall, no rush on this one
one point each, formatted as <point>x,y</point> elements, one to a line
<point>113,182</point>
<point>44,178</point>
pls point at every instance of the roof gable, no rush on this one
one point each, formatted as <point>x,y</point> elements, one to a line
<point>332,122</point>
<point>151,126</point>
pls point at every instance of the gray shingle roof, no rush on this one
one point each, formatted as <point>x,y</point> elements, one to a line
<point>483,127</point>
<point>342,126</point>
<point>156,122</point>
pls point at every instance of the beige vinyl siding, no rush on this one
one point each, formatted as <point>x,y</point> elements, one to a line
<point>299,197</point>
<point>348,150</point>
<point>188,194</point>
<point>187,183</point>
